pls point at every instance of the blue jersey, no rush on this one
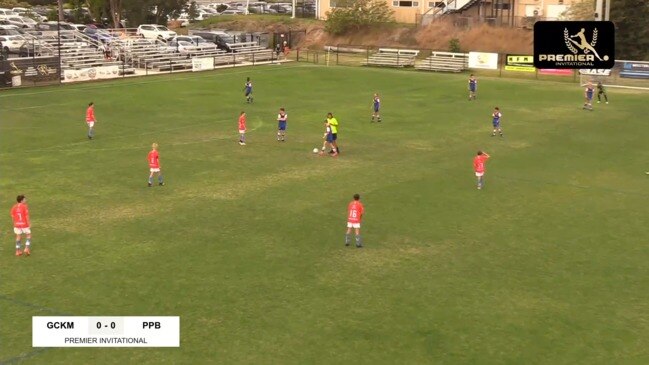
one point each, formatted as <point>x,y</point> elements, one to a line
<point>496,118</point>
<point>589,92</point>
<point>281,121</point>
<point>473,84</point>
<point>248,87</point>
<point>377,104</point>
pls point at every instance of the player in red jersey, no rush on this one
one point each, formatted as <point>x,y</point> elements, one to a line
<point>479,167</point>
<point>20,216</point>
<point>154,165</point>
<point>355,212</point>
<point>242,128</point>
<point>90,120</point>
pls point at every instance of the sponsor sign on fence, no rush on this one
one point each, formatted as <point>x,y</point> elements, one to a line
<point>635,69</point>
<point>522,63</point>
<point>596,72</point>
<point>487,61</point>
<point>31,71</point>
<point>91,73</point>
<point>556,71</point>
<point>202,63</point>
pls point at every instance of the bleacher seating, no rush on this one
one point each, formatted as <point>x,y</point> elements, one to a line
<point>252,51</point>
<point>444,61</point>
<point>389,57</point>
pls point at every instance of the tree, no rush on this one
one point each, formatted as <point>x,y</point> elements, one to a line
<point>580,10</point>
<point>350,15</point>
<point>99,9</point>
<point>115,12</point>
<point>151,11</point>
<point>631,18</point>
<point>192,11</point>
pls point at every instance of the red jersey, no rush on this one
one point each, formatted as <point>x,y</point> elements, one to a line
<point>355,212</point>
<point>154,159</point>
<point>90,114</point>
<point>478,162</point>
<point>20,215</point>
<point>242,122</point>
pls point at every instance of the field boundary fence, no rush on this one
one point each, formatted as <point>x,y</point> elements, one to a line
<point>625,74</point>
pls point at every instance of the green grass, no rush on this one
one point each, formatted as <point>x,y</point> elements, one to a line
<point>548,264</point>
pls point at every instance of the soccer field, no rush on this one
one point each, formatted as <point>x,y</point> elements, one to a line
<point>549,263</point>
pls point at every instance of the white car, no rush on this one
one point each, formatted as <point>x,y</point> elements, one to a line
<point>21,22</point>
<point>5,13</point>
<point>155,31</point>
<point>11,38</point>
<point>233,12</point>
<point>33,15</point>
<point>79,27</point>
<point>183,19</point>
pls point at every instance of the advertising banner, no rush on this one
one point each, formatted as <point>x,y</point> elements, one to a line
<point>595,72</point>
<point>31,71</point>
<point>487,61</point>
<point>91,73</point>
<point>202,63</point>
<point>522,63</point>
<point>635,69</point>
<point>574,44</point>
<point>555,71</point>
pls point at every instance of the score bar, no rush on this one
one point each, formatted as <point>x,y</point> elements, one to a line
<point>105,331</point>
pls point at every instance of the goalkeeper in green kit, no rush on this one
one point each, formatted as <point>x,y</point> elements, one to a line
<point>601,91</point>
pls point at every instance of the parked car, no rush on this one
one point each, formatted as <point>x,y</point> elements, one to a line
<point>5,13</point>
<point>194,39</point>
<point>183,19</point>
<point>52,28</point>
<point>221,39</point>
<point>21,22</point>
<point>100,35</point>
<point>11,39</point>
<point>33,15</point>
<point>155,31</point>
<point>79,27</point>
<point>233,12</point>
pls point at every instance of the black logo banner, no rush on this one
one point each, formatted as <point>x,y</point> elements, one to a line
<point>575,45</point>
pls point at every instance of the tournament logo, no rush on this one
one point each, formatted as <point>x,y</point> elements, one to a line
<point>575,45</point>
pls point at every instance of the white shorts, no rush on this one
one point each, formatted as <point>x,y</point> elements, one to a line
<point>22,230</point>
<point>91,124</point>
<point>353,225</point>
<point>479,174</point>
<point>154,169</point>
<point>242,131</point>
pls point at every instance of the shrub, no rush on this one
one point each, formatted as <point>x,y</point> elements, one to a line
<point>349,15</point>
<point>454,45</point>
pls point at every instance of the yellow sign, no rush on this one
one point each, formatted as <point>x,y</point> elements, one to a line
<point>522,63</point>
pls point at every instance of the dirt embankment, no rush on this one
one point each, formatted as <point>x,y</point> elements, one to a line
<point>435,36</point>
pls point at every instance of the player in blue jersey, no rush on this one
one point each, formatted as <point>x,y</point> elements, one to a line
<point>248,89</point>
<point>473,87</point>
<point>496,115</point>
<point>376,105</point>
<point>282,117</point>
<point>588,95</point>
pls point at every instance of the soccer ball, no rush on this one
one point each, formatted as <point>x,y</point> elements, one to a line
<point>315,150</point>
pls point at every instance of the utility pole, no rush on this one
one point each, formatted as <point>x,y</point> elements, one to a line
<point>60,3</point>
